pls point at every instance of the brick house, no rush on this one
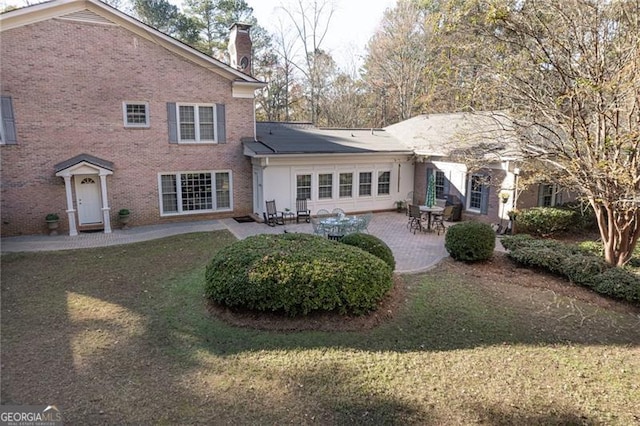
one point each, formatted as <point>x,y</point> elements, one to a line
<point>101,112</point>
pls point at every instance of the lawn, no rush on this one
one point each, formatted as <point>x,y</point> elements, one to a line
<point>122,335</point>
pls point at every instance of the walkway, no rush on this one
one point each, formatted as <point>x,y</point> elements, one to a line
<point>413,253</point>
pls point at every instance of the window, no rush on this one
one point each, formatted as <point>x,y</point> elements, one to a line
<point>325,185</point>
<point>475,192</point>
<point>303,187</point>
<point>364,187</point>
<point>384,183</point>
<point>196,123</point>
<point>346,185</point>
<point>549,195</point>
<point>136,114</point>
<point>193,192</point>
<point>439,184</point>
<point>7,122</point>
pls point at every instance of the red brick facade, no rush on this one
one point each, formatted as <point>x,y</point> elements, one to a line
<point>68,81</point>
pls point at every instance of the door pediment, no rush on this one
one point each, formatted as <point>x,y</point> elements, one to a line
<point>84,164</point>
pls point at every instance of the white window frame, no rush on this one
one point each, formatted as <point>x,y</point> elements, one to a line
<point>180,212</point>
<point>470,186</point>
<point>310,184</point>
<point>196,114</point>
<point>344,185</point>
<point>556,197</point>
<point>370,183</point>
<point>128,125</point>
<point>382,194</point>
<point>438,186</point>
<point>331,186</point>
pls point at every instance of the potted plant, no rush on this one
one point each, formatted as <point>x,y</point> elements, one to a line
<point>123,216</point>
<point>399,206</point>
<point>52,220</point>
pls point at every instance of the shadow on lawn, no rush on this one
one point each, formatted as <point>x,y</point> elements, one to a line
<point>118,335</point>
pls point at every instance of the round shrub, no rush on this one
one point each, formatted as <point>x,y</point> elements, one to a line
<point>373,245</point>
<point>297,274</point>
<point>470,241</point>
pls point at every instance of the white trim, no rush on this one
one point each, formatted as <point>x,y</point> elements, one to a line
<point>179,193</point>
<point>196,114</point>
<point>128,125</point>
<point>468,195</point>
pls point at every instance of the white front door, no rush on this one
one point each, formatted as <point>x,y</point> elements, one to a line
<point>89,199</point>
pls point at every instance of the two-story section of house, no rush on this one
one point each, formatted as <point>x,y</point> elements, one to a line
<point>100,112</point>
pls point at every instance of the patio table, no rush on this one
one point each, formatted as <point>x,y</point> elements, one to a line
<point>429,211</point>
<point>340,225</point>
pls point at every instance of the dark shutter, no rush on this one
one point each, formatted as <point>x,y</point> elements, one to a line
<point>447,185</point>
<point>8,121</point>
<point>221,129</point>
<point>484,200</point>
<point>173,122</point>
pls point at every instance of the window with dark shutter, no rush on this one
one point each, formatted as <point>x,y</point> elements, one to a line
<point>8,135</point>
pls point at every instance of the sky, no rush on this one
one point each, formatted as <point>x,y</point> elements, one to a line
<point>352,25</point>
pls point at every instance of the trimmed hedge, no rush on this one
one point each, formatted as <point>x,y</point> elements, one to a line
<point>371,244</point>
<point>577,264</point>
<point>547,221</point>
<point>470,241</point>
<point>297,274</point>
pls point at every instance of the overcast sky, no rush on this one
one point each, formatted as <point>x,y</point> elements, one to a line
<point>352,25</point>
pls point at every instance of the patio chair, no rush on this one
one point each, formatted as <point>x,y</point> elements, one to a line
<point>415,218</point>
<point>273,216</point>
<point>338,212</point>
<point>437,219</point>
<point>408,201</point>
<point>323,213</point>
<point>318,229</point>
<point>365,220</point>
<point>302,210</point>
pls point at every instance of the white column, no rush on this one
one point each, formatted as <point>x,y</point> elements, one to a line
<point>105,204</point>
<point>71,213</point>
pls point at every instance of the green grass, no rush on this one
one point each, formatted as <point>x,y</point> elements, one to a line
<point>122,335</point>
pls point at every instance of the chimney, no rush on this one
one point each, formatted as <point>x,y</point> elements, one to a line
<point>240,47</point>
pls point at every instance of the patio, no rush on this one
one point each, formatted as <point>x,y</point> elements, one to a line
<point>413,253</point>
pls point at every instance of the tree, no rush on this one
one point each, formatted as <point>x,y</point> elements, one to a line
<point>570,72</point>
<point>167,18</point>
<point>311,20</point>
<point>215,18</point>
<point>397,57</point>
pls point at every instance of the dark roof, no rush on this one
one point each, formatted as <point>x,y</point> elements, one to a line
<point>274,138</point>
<point>84,158</point>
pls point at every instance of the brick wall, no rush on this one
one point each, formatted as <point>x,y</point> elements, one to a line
<point>68,81</point>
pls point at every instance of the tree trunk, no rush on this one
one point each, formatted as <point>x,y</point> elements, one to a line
<point>619,230</point>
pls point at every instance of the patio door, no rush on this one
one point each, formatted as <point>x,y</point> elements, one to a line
<point>89,199</point>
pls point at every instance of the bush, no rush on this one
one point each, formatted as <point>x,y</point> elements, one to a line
<point>371,244</point>
<point>470,241</point>
<point>297,274</point>
<point>512,242</point>
<point>576,263</point>
<point>617,282</point>
<point>545,221</point>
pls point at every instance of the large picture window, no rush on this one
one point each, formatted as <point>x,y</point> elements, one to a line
<point>325,185</point>
<point>303,187</point>
<point>196,123</point>
<point>190,192</point>
<point>364,184</point>
<point>384,183</point>
<point>346,185</point>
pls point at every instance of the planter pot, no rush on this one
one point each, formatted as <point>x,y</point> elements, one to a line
<point>53,227</point>
<point>124,220</point>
